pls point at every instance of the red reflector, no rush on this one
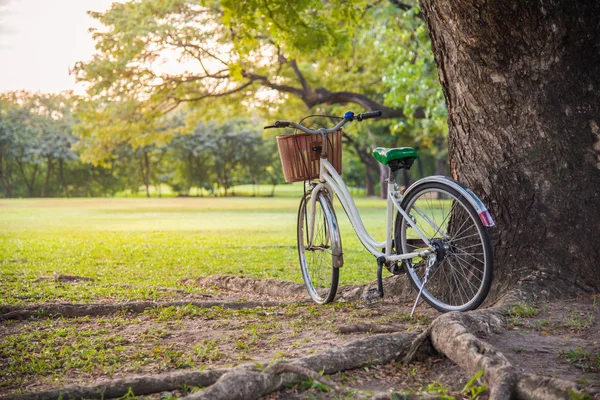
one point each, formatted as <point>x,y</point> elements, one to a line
<point>486,218</point>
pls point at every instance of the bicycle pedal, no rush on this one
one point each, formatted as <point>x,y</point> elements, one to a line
<point>372,296</point>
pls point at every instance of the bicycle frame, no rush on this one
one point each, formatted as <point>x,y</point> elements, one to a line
<point>329,178</point>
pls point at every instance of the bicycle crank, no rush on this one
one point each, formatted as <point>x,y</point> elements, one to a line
<point>431,261</point>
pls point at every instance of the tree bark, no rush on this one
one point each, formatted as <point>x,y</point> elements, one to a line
<point>521,83</point>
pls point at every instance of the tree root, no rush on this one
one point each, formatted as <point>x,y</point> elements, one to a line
<point>250,383</point>
<point>97,310</point>
<point>454,335</point>
<point>140,385</point>
<point>65,278</point>
<point>271,287</point>
<point>282,367</point>
<point>369,328</point>
<point>397,286</point>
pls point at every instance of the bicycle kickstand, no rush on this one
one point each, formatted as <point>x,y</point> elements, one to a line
<point>430,263</point>
<point>373,296</point>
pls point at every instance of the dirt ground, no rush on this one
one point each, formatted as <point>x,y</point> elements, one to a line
<point>559,339</point>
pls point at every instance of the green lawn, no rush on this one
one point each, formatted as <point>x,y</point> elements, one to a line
<point>147,243</point>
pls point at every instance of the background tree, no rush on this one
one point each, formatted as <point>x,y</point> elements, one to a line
<point>312,56</point>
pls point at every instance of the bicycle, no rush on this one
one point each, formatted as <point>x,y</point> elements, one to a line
<point>439,237</point>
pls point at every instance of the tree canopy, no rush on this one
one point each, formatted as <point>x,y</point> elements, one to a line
<point>219,60</point>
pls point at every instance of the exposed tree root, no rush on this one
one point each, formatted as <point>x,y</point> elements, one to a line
<point>140,385</point>
<point>97,310</point>
<point>455,335</point>
<point>271,287</point>
<point>283,367</point>
<point>65,278</point>
<point>161,289</point>
<point>397,286</point>
<point>459,336</point>
<point>250,383</point>
<point>369,328</point>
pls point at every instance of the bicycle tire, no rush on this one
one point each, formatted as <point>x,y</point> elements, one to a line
<point>319,282</point>
<point>467,261</point>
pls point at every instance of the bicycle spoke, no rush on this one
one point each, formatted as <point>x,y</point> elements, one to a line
<point>459,271</point>
<point>449,221</point>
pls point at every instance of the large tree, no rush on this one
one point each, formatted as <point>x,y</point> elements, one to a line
<point>282,60</point>
<point>521,82</point>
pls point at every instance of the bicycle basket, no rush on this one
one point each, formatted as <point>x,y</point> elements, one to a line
<point>300,154</point>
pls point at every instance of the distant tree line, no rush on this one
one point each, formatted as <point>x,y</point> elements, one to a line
<point>40,155</point>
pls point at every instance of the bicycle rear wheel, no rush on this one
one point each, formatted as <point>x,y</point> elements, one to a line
<point>461,279</point>
<point>318,257</point>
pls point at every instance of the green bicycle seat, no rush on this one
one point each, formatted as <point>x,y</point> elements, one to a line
<point>393,157</point>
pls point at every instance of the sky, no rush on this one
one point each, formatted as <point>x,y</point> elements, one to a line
<point>40,40</point>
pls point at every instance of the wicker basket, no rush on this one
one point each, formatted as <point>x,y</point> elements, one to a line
<point>300,154</point>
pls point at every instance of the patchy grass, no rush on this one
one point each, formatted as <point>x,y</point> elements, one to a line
<point>585,360</point>
<point>523,310</point>
<point>148,243</point>
<point>579,321</point>
<point>48,352</point>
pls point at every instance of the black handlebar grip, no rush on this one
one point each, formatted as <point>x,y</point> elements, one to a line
<point>279,124</point>
<point>367,115</point>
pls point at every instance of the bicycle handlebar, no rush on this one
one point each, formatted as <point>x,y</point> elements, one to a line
<point>367,115</point>
<point>348,116</point>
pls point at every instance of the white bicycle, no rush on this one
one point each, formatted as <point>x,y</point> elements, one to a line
<point>439,237</point>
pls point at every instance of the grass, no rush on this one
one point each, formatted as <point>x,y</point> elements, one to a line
<point>584,360</point>
<point>147,243</point>
<point>294,190</point>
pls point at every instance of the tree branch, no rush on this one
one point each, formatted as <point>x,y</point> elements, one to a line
<point>281,88</point>
<point>327,97</point>
<point>406,7</point>
<point>305,86</point>
<point>228,92</point>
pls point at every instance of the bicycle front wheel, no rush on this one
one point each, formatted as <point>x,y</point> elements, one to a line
<point>319,253</point>
<point>461,278</point>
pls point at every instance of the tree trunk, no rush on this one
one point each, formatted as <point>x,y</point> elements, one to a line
<point>28,183</point>
<point>368,161</point>
<point>406,178</point>
<point>4,178</point>
<point>441,165</point>
<point>369,184</point>
<point>48,171</point>
<point>62,176</point>
<point>145,166</point>
<point>89,180</point>
<point>522,87</point>
<point>420,168</point>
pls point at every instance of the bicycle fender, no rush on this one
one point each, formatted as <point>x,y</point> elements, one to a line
<point>336,245</point>
<point>472,198</point>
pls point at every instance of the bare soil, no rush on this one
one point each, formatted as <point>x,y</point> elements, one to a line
<point>161,340</point>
